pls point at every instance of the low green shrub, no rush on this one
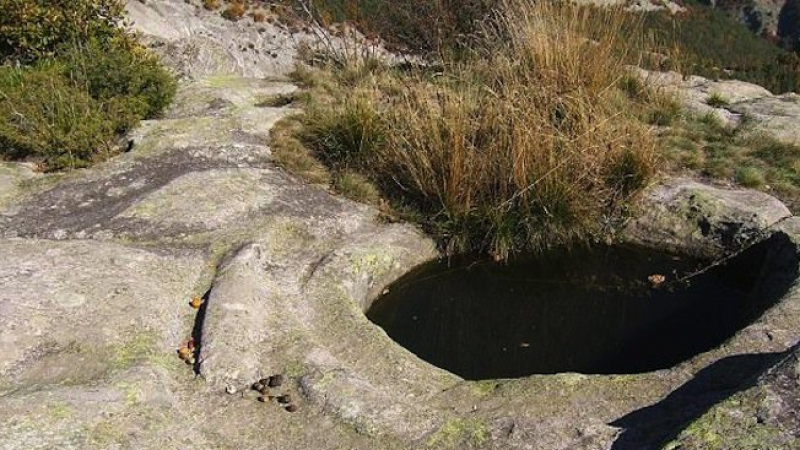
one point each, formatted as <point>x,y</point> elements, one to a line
<point>750,176</point>
<point>80,79</point>
<point>132,83</point>
<point>66,111</point>
<point>44,115</point>
<point>34,29</point>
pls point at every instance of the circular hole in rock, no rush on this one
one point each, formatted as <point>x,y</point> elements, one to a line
<point>598,311</point>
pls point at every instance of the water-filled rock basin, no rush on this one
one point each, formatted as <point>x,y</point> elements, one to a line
<point>604,310</point>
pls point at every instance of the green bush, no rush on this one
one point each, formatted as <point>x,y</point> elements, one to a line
<point>66,111</point>
<point>131,83</point>
<point>81,80</point>
<point>750,176</point>
<point>34,29</point>
<point>43,115</point>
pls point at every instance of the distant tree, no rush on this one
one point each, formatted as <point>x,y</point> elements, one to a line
<point>789,25</point>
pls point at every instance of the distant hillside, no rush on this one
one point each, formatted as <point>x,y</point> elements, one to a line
<point>712,44</point>
<point>708,40</point>
<point>777,20</point>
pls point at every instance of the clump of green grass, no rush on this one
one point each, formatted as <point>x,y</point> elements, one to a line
<point>523,142</point>
<point>717,100</point>
<point>652,106</point>
<point>289,152</point>
<point>234,11</point>
<point>704,146</point>
<point>348,134</point>
<point>277,100</point>
<point>750,176</point>
<point>357,187</point>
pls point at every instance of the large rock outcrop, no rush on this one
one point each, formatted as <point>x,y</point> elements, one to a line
<point>762,416</point>
<point>99,266</point>
<point>775,115</point>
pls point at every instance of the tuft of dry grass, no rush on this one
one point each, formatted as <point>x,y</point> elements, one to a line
<point>211,5</point>
<point>259,16</point>
<point>295,157</point>
<point>655,106</point>
<point>524,142</point>
<point>356,187</point>
<point>235,11</point>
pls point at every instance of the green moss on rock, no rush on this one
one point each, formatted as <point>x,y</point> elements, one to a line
<point>456,433</point>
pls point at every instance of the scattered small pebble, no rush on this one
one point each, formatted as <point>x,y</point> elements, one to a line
<point>184,352</point>
<point>196,302</point>
<point>275,381</point>
<point>230,389</point>
<point>263,386</point>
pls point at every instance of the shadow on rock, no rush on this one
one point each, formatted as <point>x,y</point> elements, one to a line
<point>653,426</point>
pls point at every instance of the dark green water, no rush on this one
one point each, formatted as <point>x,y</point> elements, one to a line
<point>586,311</point>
